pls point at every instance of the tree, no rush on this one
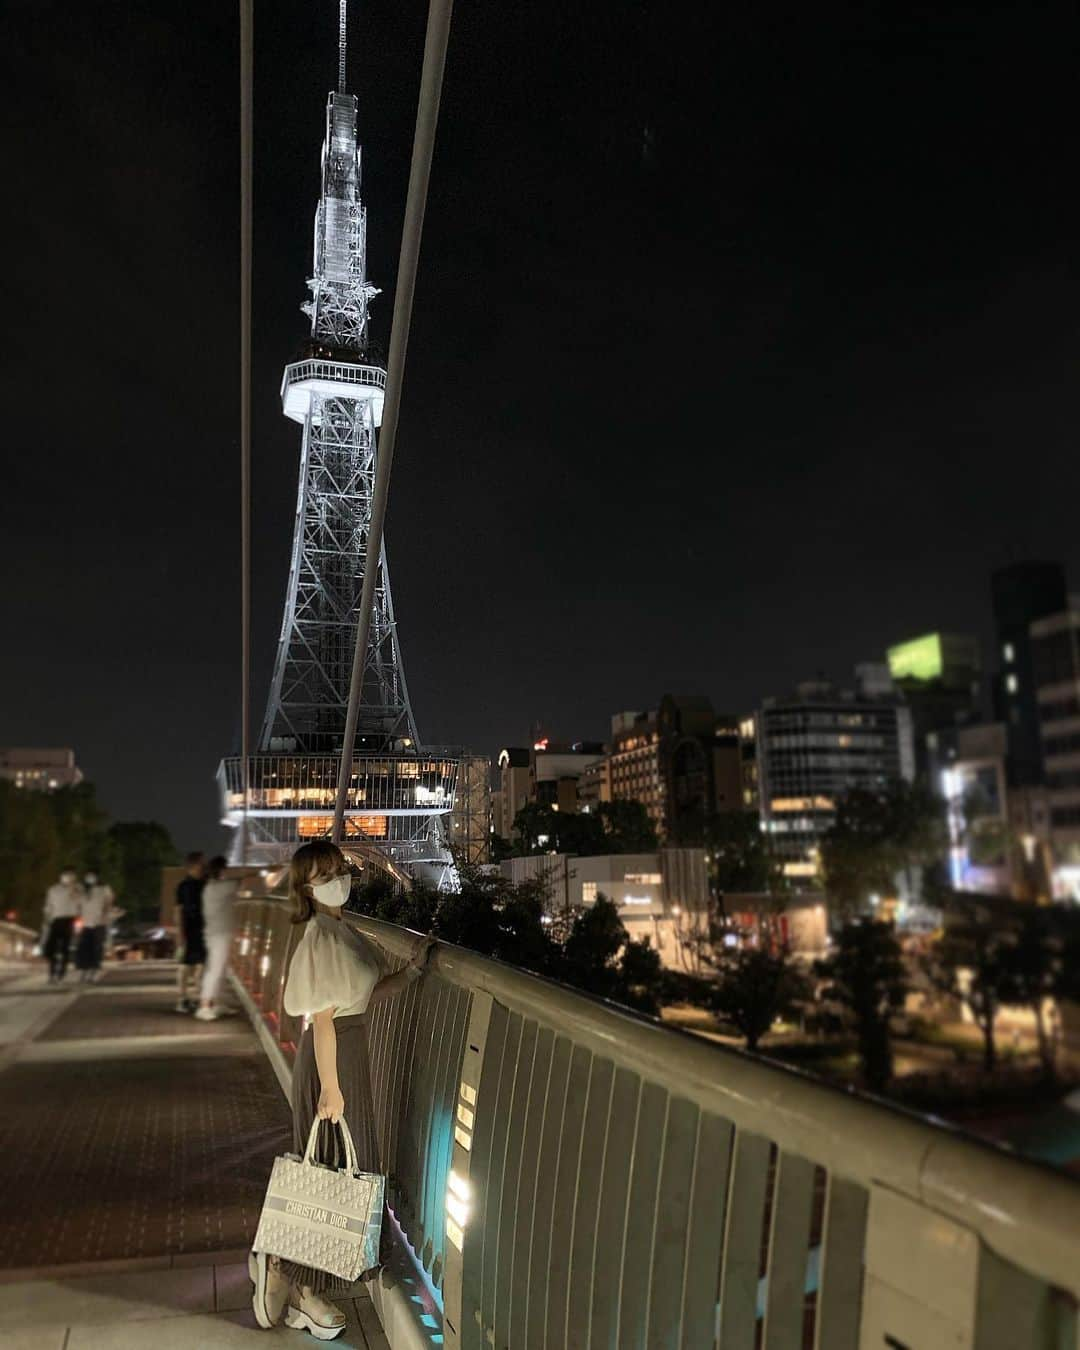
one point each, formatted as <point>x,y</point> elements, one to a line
<point>30,859</point>
<point>628,827</point>
<point>968,965</point>
<point>866,975</point>
<point>141,848</point>
<point>875,837</point>
<point>599,957</point>
<point>615,827</point>
<point>1032,974</point>
<point>753,988</point>
<point>738,855</point>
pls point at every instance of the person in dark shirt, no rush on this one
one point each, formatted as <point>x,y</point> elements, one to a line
<point>189,920</point>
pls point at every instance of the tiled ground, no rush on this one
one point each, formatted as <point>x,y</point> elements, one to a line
<point>134,1150</point>
<point>105,1012</point>
<point>135,1159</point>
<point>179,1307</point>
<point>105,1156</point>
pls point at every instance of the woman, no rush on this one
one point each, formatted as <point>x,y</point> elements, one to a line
<point>95,909</point>
<point>335,977</point>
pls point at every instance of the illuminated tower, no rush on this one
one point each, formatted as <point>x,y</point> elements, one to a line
<point>399,792</point>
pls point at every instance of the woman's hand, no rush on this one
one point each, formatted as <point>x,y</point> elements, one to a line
<point>422,955</point>
<point>331,1104</point>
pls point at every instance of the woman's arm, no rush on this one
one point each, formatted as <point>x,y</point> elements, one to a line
<point>331,1102</point>
<point>391,985</point>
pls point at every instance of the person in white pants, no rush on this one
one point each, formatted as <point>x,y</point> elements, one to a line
<point>218,901</point>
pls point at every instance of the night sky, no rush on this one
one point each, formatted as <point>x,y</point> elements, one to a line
<point>744,345</point>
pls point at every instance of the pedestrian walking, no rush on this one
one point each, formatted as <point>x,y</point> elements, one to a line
<point>335,977</point>
<point>62,901</point>
<point>218,905</point>
<point>96,912</point>
<point>189,921</point>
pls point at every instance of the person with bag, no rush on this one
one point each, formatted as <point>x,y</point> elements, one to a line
<point>62,903</point>
<point>335,977</point>
<point>218,903</point>
<point>95,910</point>
<point>189,921</point>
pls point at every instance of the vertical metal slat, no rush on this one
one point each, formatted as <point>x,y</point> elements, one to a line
<point>515,1139</point>
<point>742,1241</point>
<point>521,1271</point>
<point>547,1169</point>
<point>840,1271</point>
<point>641,1218</point>
<point>567,1186</point>
<point>611,1219</point>
<point>669,1255</point>
<point>789,1242</point>
<point>586,1207</point>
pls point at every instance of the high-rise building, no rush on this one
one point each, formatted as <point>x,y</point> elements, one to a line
<point>813,747</point>
<point>40,769</point>
<point>939,675</point>
<point>681,761</point>
<point>548,773</point>
<point>399,793</point>
<point>1055,649</point>
<point>1022,593</point>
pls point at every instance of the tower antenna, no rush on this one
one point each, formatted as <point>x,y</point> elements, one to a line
<point>342,4</point>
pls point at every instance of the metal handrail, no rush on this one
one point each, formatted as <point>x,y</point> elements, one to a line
<point>618,1164</point>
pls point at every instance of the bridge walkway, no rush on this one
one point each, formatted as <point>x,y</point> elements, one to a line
<point>135,1144</point>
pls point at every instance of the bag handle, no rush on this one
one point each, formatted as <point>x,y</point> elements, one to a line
<point>350,1147</point>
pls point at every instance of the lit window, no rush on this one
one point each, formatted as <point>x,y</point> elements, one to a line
<point>1012,684</point>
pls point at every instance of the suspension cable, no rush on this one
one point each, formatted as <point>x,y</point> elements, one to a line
<point>246,155</point>
<point>427,118</point>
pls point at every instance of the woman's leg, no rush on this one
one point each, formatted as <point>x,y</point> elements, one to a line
<point>329,1150</point>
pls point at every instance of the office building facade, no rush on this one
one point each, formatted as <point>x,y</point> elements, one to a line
<point>1055,650</point>
<point>1023,594</point>
<point>40,770</point>
<point>815,746</point>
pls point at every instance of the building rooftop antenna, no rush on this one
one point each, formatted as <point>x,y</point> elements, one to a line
<point>342,4</point>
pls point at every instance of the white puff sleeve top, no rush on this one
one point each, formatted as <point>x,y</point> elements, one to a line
<point>332,967</point>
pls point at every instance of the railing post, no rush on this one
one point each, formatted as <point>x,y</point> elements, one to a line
<point>460,1191</point>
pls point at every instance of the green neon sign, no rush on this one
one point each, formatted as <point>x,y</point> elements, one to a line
<point>919,659</point>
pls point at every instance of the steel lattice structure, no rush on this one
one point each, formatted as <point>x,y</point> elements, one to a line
<point>336,394</point>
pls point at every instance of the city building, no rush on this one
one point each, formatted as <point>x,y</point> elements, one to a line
<point>549,774</point>
<point>940,676</point>
<point>471,818</point>
<point>399,793</point>
<point>658,895</point>
<point>797,921</point>
<point>1055,651</point>
<point>998,835</point>
<point>681,761</point>
<point>594,785</point>
<point>1022,593</point>
<point>814,746</point>
<point>41,770</point>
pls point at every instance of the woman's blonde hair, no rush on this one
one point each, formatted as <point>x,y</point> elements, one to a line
<point>309,861</point>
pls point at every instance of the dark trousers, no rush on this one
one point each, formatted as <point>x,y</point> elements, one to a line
<point>91,948</point>
<point>57,945</point>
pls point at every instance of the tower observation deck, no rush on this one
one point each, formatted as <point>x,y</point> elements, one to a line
<point>399,793</point>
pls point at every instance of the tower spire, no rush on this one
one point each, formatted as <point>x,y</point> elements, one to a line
<point>341,23</point>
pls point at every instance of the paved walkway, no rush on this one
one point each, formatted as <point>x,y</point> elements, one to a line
<point>135,1144</point>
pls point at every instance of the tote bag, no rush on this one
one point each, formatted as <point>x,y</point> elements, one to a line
<point>316,1216</point>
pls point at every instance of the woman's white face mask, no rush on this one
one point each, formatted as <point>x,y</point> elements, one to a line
<point>332,893</point>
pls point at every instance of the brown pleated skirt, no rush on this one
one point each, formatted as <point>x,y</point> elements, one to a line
<point>354,1076</point>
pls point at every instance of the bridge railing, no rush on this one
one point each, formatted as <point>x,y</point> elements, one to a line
<point>570,1174</point>
<point>16,941</point>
